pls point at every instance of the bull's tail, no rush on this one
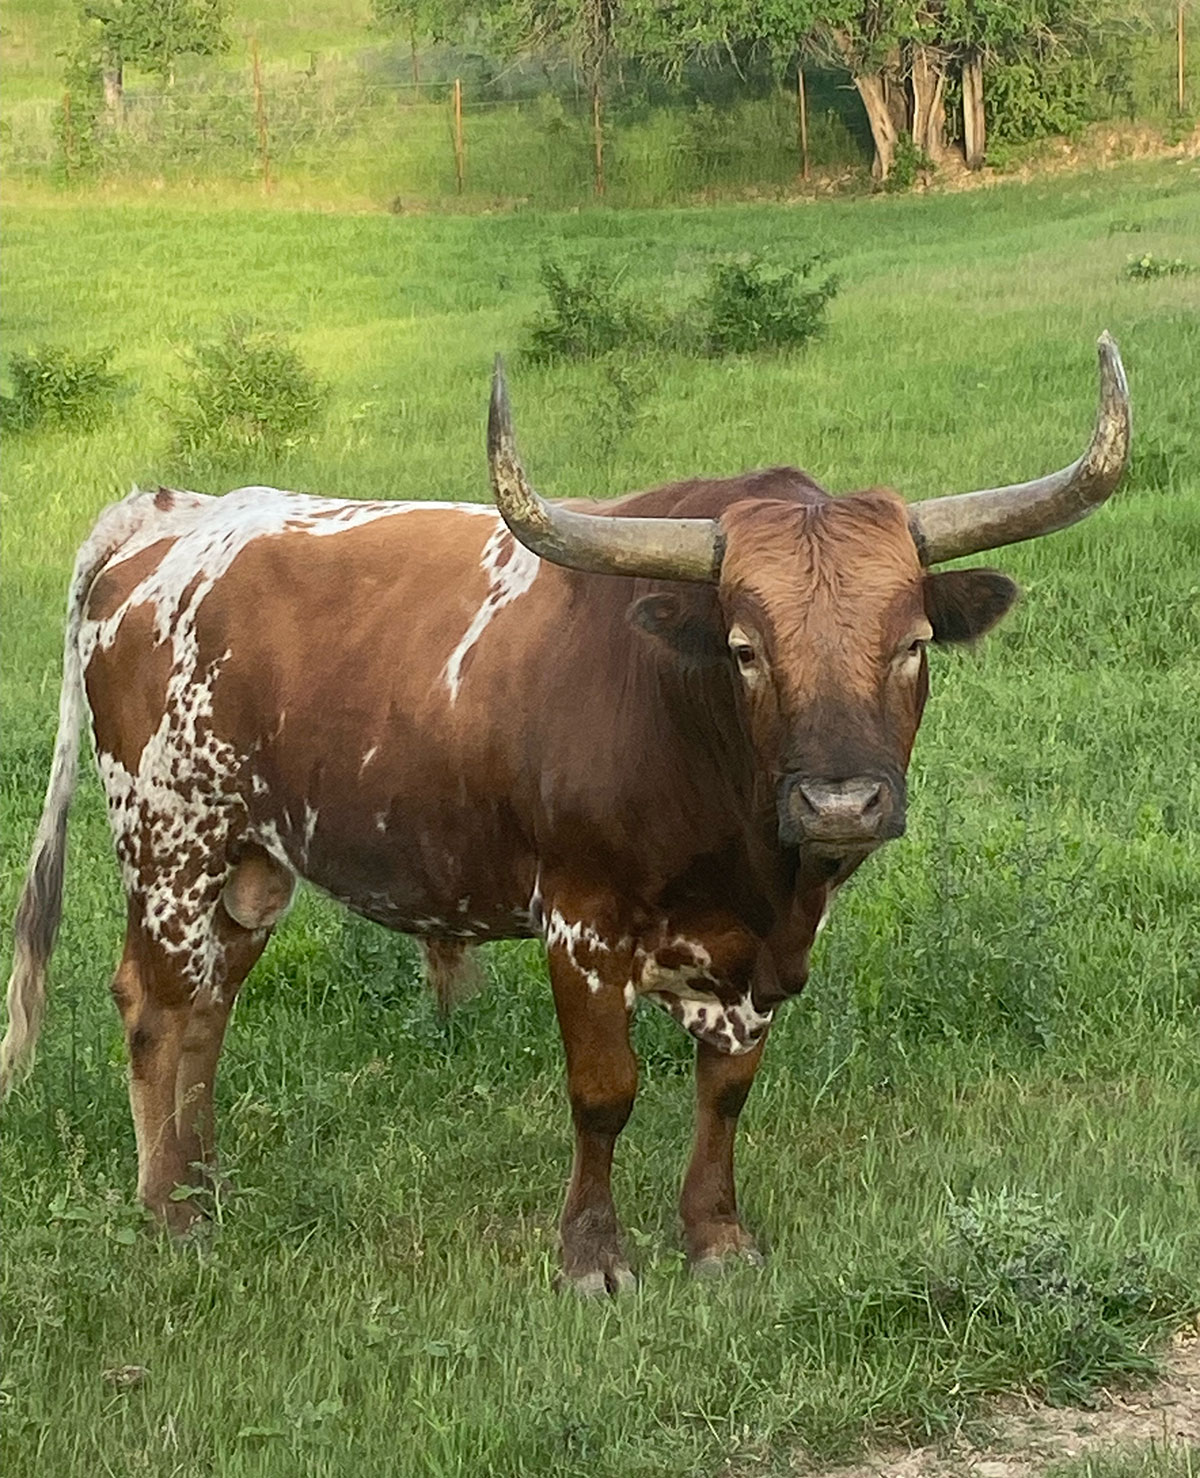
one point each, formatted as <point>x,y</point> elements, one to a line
<point>40,908</point>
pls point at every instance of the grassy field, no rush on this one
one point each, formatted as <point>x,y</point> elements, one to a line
<point>974,1148</point>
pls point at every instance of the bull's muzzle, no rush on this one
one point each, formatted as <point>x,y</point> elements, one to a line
<point>833,814</point>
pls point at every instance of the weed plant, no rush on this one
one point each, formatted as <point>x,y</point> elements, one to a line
<point>1148,268</point>
<point>591,312</point>
<point>749,303</point>
<point>246,390</point>
<point>59,387</point>
<point>909,164</point>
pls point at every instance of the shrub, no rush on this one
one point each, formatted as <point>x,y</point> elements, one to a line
<point>752,304</point>
<point>53,386</point>
<point>908,163</point>
<point>748,303</point>
<point>247,388</point>
<point>1147,267</point>
<point>590,314</point>
<point>617,403</point>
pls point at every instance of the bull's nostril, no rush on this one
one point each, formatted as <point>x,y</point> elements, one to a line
<point>873,801</point>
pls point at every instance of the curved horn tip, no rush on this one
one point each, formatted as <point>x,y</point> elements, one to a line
<point>499,413</point>
<point>1112,370</point>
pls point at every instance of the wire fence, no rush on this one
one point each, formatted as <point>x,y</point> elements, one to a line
<point>505,138</point>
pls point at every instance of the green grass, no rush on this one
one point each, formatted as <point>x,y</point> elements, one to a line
<point>998,1060</point>
<point>1158,1460</point>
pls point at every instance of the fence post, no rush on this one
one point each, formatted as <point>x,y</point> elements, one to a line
<point>802,109</point>
<point>598,135</point>
<point>68,136</point>
<point>458,135</point>
<point>1181,98</point>
<point>260,113</point>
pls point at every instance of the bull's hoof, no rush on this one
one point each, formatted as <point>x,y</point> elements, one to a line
<point>721,1247</point>
<point>717,1264</point>
<point>613,1276</point>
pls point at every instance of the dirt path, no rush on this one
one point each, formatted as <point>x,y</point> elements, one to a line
<point>1026,1439</point>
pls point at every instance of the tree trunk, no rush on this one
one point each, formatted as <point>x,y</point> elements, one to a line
<point>928,80</point>
<point>873,89</point>
<point>974,126</point>
<point>412,47</point>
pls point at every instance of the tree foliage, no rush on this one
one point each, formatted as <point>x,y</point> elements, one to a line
<point>153,34</point>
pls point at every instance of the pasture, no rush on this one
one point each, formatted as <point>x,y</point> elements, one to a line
<point>974,1147</point>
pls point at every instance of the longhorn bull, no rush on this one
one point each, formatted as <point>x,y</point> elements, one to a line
<point>659,734</point>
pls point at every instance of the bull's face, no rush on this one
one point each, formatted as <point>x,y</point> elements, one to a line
<point>822,616</point>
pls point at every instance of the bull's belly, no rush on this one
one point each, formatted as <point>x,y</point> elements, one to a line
<point>467,893</point>
<point>432,919</point>
<point>481,891</point>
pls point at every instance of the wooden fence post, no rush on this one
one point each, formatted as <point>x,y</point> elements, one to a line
<point>598,135</point>
<point>802,110</point>
<point>260,113</point>
<point>1181,96</point>
<point>459,161</point>
<point>68,137</point>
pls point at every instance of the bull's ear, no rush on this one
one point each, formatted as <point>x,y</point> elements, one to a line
<point>691,633</point>
<point>964,604</point>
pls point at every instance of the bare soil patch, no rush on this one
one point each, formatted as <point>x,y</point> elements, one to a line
<point>1027,1437</point>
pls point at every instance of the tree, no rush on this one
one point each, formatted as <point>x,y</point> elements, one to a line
<point>151,34</point>
<point>866,37</point>
<point>979,32</point>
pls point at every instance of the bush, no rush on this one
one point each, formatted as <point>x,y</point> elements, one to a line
<point>247,388</point>
<point>752,304</point>
<point>748,303</point>
<point>590,314</point>
<point>908,164</point>
<point>53,386</point>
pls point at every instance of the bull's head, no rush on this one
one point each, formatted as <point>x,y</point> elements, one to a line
<point>823,609</point>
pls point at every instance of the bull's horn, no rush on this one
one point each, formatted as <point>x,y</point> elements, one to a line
<point>944,528</point>
<point>660,548</point>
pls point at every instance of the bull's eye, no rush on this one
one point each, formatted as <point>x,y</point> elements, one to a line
<point>745,653</point>
<point>908,658</point>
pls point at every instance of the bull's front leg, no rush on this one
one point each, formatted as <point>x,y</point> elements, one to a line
<point>590,977</point>
<point>713,1232</point>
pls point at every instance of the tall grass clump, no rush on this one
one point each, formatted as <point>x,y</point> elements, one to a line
<point>55,386</point>
<point>247,388</point>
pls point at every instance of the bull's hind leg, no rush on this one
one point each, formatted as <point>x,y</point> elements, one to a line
<point>203,1038</point>
<point>155,1002</point>
<point>175,988</point>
